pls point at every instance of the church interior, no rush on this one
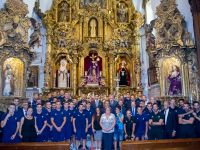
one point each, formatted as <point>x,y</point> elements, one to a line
<point>89,47</point>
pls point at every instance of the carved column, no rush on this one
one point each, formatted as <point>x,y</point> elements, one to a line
<point>111,73</point>
<point>47,76</point>
<point>195,8</point>
<point>74,75</point>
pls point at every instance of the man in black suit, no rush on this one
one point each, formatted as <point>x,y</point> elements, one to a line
<point>169,121</point>
<point>97,102</point>
<point>113,103</point>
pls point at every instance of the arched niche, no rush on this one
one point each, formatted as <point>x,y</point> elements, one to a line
<point>172,77</point>
<point>93,27</point>
<point>62,72</point>
<point>63,11</point>
<point>13,77</point>
<point>93,68</point>
<point>123,70</point>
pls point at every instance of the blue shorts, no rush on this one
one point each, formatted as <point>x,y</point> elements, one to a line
<point>139,134</point>
<point>118,135</point>
<point>80,134</point>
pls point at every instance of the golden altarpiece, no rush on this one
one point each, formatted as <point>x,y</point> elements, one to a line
<point>173,53</point>
<point>89,42</point>
<point>15,54</point>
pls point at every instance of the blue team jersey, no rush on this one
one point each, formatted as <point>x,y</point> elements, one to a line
<point>40,119</point>
<point>140,121</point>
<point>47,115</point>
<point>58,116</point>
<point>89,114</point>
<point>10,128</point>
<point>80,120</point>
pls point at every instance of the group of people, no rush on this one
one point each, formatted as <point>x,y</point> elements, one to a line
<point>104,120</point>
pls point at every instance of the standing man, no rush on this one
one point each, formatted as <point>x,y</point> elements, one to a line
<point>58,121</point>
<point>196,114</point>
<point>10,124</point>
<point>113,103</point>
<point>140,125</point>
<point>133,108</point>
<point>41,123</point>
<point>169,121</point>
<point>186,123</point>
<point>128,125</point>
<point>156,123</point>
<point>97,102</point>
<point>80,124</point>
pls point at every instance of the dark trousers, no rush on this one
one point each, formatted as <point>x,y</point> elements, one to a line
<point>187,131</point>
<point>108,141</point>
<point>168,134</point>
<point>28,139</point>
<point>156,133</point>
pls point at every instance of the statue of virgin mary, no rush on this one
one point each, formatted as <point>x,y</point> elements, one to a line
<point>62,74</point>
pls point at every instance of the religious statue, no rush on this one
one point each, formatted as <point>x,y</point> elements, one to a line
<point>122,13</point>
<point>187,39</point>
<point>124,79</point>
<point>63,74</point>
<point>94,72</point>
<point>174,78</point>
<point>8,81</point>
<point>93,28</point>
<point>35,37</point>
<point>63,12</point>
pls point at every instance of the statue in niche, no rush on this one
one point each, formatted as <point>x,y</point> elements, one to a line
<point>63,12</point>
<point>63,74</point>
<point>93,28</point>
<point>123,74</point>
<point>122,13</point>
<point>94,72</point>
<point>187,39</point>
<point>8,89</point>
<point>174,78</point>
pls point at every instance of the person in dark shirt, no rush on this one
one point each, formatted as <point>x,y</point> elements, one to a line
<point>27,130</point>
<point>128,125</point>
<point>156,123</point>
<point>1,130</point>
<point>186,123</point>
<point>97,128</point>
<point>169,121</point>
<point>127,101</point>
<point>148,110</point>
<point>196,115</point>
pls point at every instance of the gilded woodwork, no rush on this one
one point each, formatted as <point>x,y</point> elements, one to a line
<point>14,26</point>
<point>111,28</point>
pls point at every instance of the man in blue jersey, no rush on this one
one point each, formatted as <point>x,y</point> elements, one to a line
<point>140,126</point>
<point>41,123</point>
<point>58,121</point>
<point>80,125</point>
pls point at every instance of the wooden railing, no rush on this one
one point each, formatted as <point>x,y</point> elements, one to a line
<point>36,146</point>
<point>174,144</point>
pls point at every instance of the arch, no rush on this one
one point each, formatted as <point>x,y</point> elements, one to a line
<point>13,77</point>
<point>93,27</point>
<point>168,66</point>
